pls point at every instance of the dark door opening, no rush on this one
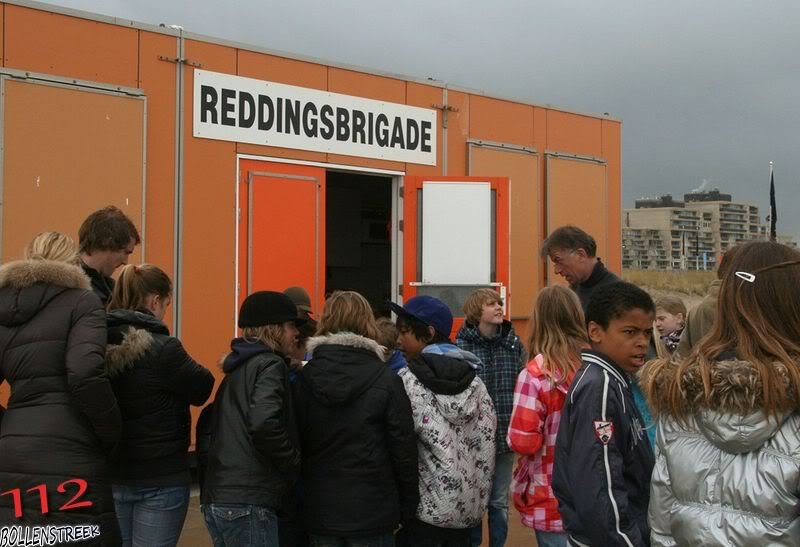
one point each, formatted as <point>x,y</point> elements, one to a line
<point>358,236</point>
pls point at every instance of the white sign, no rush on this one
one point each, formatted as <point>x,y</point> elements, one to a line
<point>232,108</point>
<point>457,233</point>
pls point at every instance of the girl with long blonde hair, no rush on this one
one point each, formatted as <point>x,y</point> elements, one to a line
<point>557,336</point>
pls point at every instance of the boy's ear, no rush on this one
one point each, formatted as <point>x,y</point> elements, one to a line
<point>431,333</point>
<point>595,332</point>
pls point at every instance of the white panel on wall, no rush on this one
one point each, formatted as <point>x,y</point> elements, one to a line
<point>456,232</point>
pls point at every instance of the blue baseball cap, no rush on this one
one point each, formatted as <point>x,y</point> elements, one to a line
<point>429,310</point>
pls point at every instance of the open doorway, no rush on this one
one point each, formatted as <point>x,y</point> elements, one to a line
<point>358,236</point>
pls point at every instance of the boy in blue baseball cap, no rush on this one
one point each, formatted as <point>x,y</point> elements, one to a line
<point>455,423</point>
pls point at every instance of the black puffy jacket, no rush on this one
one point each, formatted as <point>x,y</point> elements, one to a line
<point>62,418</point>
<point>155,381</point>
<point>359,448</point>
<point>253,456</point>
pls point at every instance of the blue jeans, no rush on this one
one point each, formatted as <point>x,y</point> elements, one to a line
<point>150,516</point>
<point>383,540</point>
<point>551,539</point>
<point>239,525</point>
<point>498,503</point>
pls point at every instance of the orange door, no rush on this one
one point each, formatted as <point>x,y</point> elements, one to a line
<point>455,238</point>
<point>281,223</point>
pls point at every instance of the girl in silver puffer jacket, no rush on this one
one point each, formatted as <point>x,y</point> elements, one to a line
<point>728,443</point>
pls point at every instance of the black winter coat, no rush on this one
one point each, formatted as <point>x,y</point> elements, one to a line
<point>62,418</point>
<point>253,456</point>
<point>599,277</point>
<point>360,472</point>
<point>155,381</point>
<point>101,285</point>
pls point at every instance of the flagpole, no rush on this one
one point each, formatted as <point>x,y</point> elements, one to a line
<point>773,209</point>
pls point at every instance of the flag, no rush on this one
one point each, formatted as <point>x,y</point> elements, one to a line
<point>773,210</point>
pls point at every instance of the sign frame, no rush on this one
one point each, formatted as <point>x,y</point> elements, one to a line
<point>238,109</point>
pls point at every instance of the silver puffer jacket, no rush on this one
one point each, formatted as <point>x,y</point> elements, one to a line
<point>731,475</point>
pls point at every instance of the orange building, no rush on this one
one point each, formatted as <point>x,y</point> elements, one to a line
<point>246,170</point>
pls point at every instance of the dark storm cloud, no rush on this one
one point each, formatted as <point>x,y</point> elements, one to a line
<point>706,90</point>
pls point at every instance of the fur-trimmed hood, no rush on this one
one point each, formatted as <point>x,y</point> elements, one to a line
<point>121,357</point>
<point>27,286</point>
<point>733,417</point>
<point>342,367</point>
<point>130,336</point>
<point>22,274</point>
<point>345,339</point>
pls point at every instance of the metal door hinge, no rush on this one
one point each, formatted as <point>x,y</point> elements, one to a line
<point>401,225</point>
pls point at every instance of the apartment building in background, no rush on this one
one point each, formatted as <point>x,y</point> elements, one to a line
<point>665,234</point>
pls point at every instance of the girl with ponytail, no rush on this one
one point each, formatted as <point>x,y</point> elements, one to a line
<point>155,382</point>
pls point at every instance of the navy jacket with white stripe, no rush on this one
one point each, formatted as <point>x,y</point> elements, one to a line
<point>603,459</point>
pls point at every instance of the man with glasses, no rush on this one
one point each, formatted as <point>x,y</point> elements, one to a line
<point>573,253</point>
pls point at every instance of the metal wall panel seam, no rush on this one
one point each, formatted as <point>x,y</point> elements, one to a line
<point>317,238</point>
<point>324,165</point>
<point>281,176</point>
<point>443,113</point>
<point>250,193</point>
<point>578,157</point>
<point>51,79</point>
<point>2,157</point>
<point>507,147</point>
<point>144,178</point>
<point>397,242</point>
<point>178,195</point>
<point>546,187</point>
<point>509,294</point>
<point>237,287</point>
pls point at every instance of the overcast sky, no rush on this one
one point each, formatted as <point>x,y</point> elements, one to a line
<point>706,90</point>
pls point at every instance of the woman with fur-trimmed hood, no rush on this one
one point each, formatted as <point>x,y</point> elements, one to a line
<point>728,442</point>
<point>356,431</point>
<point>155,382</point>
<point>62,418</point>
